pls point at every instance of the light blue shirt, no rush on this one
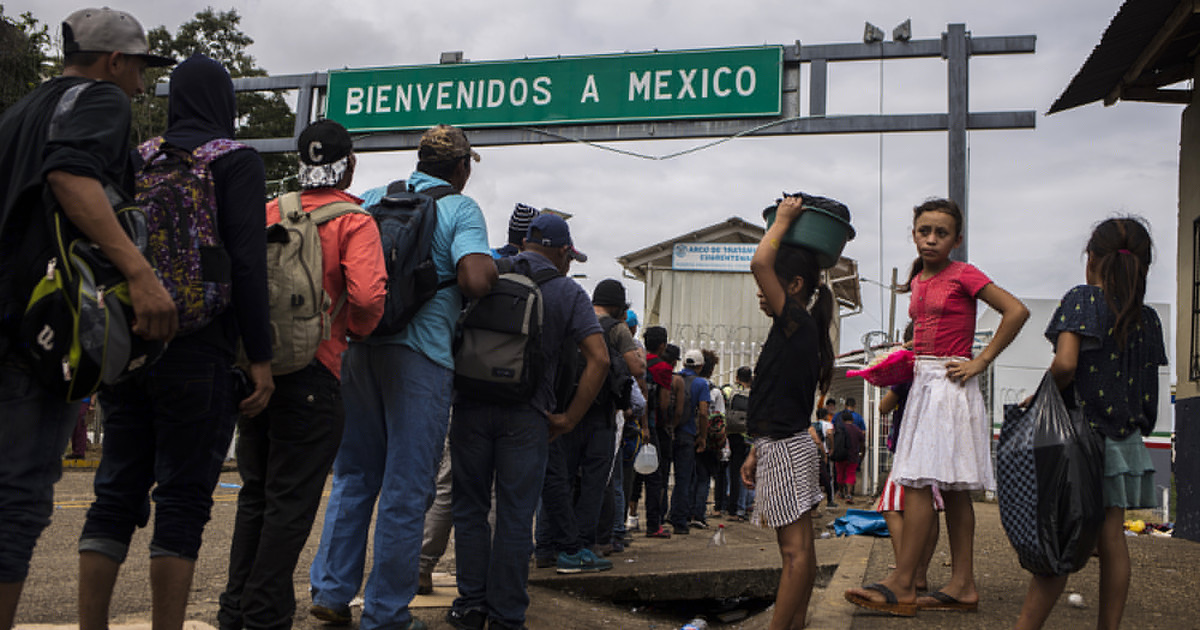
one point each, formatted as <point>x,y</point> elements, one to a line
<point>461,230</point>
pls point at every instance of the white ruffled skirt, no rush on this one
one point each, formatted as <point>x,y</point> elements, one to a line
<point>945,439</point>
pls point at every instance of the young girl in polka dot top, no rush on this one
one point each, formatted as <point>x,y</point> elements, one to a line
<point>945,438</point>
<point>1108,345</point>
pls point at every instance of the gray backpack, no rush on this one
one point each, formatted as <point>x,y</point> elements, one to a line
<point>498,355</point>
<point>300,315</point>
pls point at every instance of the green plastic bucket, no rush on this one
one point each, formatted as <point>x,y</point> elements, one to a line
<point>819,229</point>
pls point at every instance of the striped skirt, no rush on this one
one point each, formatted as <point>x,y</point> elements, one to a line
<point>945,439</point>
<point>892,498</point>
<point>787,480</point>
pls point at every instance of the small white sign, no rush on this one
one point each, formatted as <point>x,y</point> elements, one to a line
<point>733,257</point>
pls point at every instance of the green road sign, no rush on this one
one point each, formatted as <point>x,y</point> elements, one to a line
<point>714,83</point>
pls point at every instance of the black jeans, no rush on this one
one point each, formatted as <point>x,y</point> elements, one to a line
<point>166,433</point>
<point>666,456</point>
<point>284,457</point>
<point>566,524</point>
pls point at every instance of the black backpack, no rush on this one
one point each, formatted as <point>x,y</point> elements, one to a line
<point>498,355</point>
<point>617,391</point>
<point>841,440</point>
<point>407,220</point>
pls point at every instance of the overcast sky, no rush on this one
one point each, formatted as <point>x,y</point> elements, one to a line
<point>1033,194</point>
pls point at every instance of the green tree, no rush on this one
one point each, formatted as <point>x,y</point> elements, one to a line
<point>218,35</point>
<point>24,56</point>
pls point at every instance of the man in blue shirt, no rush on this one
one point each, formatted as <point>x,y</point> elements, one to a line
<point>505,446</point>
<point>858,419</point>
<point>396,391</point>
<point>691,430</point>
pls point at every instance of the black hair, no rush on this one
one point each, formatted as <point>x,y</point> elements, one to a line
<point>710,363</point>
<point>792,262</point>
<point>745,374</point>
<point>936,204</point>
<point>1121,251</point>
<point>850,402</point>
<point>654,337</point>
<point>443,169</point>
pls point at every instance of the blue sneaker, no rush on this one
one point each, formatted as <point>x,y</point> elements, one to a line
<point>582,561</point>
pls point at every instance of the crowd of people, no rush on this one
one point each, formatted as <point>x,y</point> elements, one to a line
<point>372,388</point>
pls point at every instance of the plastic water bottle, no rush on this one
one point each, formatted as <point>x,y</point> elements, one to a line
<point>718,539</point>
<point>696,624</point>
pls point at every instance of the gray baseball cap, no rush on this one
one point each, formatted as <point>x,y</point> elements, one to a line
<point>108,30</point>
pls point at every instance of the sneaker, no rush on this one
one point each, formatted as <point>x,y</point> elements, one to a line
<point>424,583</point>
<point>336,615</point>
<point>582,561</point>
<point>632,524</point>
<point>699,523</point>
<point>618,546</point>
<point>469,620</point>
<point>602,550</point>
<point>680,530</point>
<point>661,532</point>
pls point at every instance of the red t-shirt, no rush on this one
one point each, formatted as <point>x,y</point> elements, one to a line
<point>942,309</point>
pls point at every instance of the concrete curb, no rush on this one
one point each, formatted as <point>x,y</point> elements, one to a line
<point>831,611</point>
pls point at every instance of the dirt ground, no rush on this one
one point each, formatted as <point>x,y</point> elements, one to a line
<point>50,591</point>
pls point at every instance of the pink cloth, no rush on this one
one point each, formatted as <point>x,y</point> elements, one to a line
<point>942,309</point>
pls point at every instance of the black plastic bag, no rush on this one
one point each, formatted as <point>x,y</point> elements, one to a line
<point>1049,469</point>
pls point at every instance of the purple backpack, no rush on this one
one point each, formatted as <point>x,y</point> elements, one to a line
<point>175,190</point>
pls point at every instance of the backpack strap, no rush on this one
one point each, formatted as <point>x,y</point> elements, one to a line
<point>290,203</point>
<point>333,210</point>
<point>437,192</point>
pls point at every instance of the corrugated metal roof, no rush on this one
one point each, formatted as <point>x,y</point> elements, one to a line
<point>1127,35</point>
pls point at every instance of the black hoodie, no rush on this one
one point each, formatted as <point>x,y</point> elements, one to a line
<point>202,107</point>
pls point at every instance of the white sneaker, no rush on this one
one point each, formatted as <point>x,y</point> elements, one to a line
<point>631,524</point>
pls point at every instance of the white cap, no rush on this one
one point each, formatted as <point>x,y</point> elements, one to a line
<point>693,358</point>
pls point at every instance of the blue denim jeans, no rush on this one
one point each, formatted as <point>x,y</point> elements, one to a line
<point>33,434</point>
<point>397,409</point>
<point>167,429</point>
<point>684,458</point>
<point>507,446</point>
<point>284,455</point>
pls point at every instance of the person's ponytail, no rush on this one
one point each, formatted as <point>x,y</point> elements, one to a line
<point>822,313</point>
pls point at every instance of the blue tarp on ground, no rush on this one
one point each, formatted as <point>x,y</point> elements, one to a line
<point>860,522</point>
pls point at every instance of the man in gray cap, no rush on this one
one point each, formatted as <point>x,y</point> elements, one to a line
<point>81,172</point>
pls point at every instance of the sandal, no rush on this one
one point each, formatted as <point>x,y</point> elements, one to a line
<point>943,601</point>
<point>889,604</point>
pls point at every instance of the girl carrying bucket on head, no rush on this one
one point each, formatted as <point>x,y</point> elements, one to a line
<point>945,438</point>
<point>783,463</point>
<point>1109,344</point>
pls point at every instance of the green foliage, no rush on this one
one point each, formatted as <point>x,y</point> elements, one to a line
<point>24,56</point>
<point>217,35</point>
